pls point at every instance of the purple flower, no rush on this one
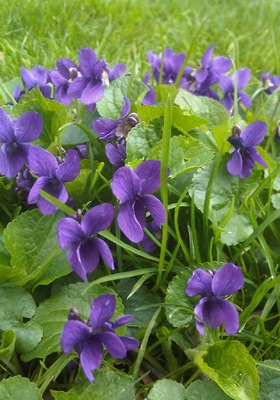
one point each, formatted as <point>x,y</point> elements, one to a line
<point>116,154</point>
<point>226,83</point>
<point>51,176</point>
<point>211,71</point>
<point>66,70</point>
<point>37,76</point>
<point>88,339</point>
<point>150,97</point>
<point>117,71</point>
<point>132,188</point>
<point>18,93</point>
<point>90,86</point>
<point>270,83</point>
<point>245,153</point>
<point>24,181</point>
<point>148,245</point>
<point>109,129</point>
<point>190,83</point>
<point>15,136</point>
<point>84,251</point>
<point>172,64</point>
<point>211,286</point>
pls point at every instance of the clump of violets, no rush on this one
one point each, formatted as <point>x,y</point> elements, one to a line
<point>37,76</point>
<point>15,136</point>
<point>88,339</point>
<point>245,153</point>
<point>270,83</point>
<point>109,129</point>
<point>52,173</point>
<point>227,83</point>
<point>212,285</point>
<point>85,251</point>
<point>132,188</point>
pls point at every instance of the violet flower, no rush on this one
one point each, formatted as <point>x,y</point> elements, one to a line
<point>147,244</point>
<point>172,64</point>
<point>24,181</point>
<point>227,83</point>
<point>245,153</point>
<point>116,154</point>
<point>18,93</point>
<point>270,83</point>
<point>132,188</point>
<point>109,129</point>
<point>52,176</point>
<point>117,71</point>
<point>37,76</point>
<point>190,83</point>
<point>88,339</point>
<point>84,251</point>
<point>212,286</point>
<point>66,70</point>
<point>15,136</point>
<point>150,97</point>
<point>89,87</point>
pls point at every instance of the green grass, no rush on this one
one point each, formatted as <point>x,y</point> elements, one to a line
<point>38,32</point>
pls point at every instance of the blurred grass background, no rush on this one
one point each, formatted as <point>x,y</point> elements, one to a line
<point>37,32</point>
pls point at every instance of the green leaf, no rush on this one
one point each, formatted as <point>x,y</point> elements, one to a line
<point>8,345</point>
<point>185,154</point>
<point>263,153</point>
<point>142,297</point>
<point>178,314</point>
<point>19,387</point>
<point>16,303</point>
<point>275,199</point>
<point>79,186</point>
<point>4,255</point>
<point>8,88</point>
<point>52,315</point>
<point>229,364</point>
<point>141,139</point>
<point>221,134</point>
<point>225,187</point>
<point>108,385</point>
<point>110,106</point>
<point>167,389</point>
<point>203,107</point>
<point>269,380</point>
<point>147,113</point>
<point>54,114</point>
<point>163,91</point>
<point>30,239</point>
<point>205,390</point>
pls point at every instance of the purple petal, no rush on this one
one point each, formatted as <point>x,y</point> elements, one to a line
<point>77,87</point>
<point>28,78</point>
<point>102,309</point>
<point>226,83</point>
<point>97,219</point>
<point>247,163</point>
<point>243,77</point>
<point>103,126</point>
<point>231,319</point>
<point>55,189</point>
<point>41,162</point>
<point>72,257</point>
<point>69,231</point>
<point>199,284</point>
<point>221,64</point>
<point>6,127</point>
<point>255,156</point>
<point>70,168</point>
<point>126,107</point>
<point>254,133</point>
<point>155,207</point>
<point>125,184</point>
<point>87,60</point>
<point>235,163</point>
<point>113,343</point>
<point>228,102</point>
<point>74,331</point>
<point>227,280</point>
<point>40,74</point>
<point>117,71</point>
<point>104,252</point>
<point>40,184</point>
<point>140,213</point>
<point>244,98</point>
<point>63,65</point>
<point>130,343</point>
<point>128,223</point>
<point>13,157</point>
<point>28,126</point>
<point>62,95</point>
<point>198,310</point>
<point>148,173</point>
<point>88,255</point>
<point>125,319</point>
<point>91,356</point>
<point>150,97</point>
<point>207,56</point>
<point>93,92</point>
<point>210,310</point>
<point>46,91</point>
<point>116,154</point>
<point>201,75</point>
<point>57,79</point>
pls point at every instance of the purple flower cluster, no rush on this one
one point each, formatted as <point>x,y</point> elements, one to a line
<point>88,339</point>
<point>212,285</point>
